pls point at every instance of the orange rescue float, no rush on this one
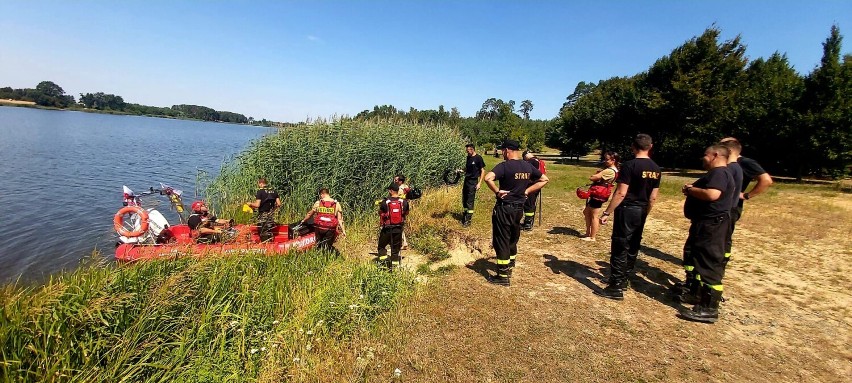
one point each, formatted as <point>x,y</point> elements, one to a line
<point>118,221</point>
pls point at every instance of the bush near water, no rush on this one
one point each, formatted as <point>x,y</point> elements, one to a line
<point>355,160</point>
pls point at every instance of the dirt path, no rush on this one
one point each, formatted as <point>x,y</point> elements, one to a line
<point>786,317</point>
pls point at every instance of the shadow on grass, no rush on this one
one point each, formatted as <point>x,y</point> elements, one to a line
<point>565,231</point>
<point>578,271</point>
<point>649,280</point>
<point>482,266</point>
<point>666,257</point>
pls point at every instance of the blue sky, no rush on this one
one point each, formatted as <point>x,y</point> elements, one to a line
<point>290,60</point>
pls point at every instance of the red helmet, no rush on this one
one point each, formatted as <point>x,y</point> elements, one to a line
<point>197,205</point>
<point>582,193</point>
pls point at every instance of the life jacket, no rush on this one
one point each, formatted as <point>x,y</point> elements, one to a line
<point>394,214</point>
<point>403,191</point>
<point>602,190</point>
<point>326,215</point>
<point>541,167</point>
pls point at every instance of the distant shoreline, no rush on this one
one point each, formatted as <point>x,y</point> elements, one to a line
<point>33,105</point>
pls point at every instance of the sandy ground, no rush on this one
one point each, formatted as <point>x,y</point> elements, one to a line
<point>786,317</point>
<point>15,102</point>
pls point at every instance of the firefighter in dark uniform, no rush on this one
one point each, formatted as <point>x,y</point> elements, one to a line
<point>529,205</point>
<point>474,171</point>
<point>751,171</point>
<point>517,179</point>
<point>708,207</point>
<point>392,213</point>
<point>328,221</point>
<point>638,186</point>
<point>266,201</point>
<point>205,228</point>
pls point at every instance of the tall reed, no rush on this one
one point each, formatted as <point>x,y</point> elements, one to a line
<point>356,160</point>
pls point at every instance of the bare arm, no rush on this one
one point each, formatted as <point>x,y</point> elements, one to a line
<point>702,194</point>
<point>255,204</point>
<point>340,221</point>
<point>764,181</point>
<point>652,200</point>
<point>620,193</point>
<point>481,176</point>
<point>538,185</point>
<point>597,176</point>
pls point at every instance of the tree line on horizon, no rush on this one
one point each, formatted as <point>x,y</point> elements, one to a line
<point>49,94</point>
<point>705,90</point>
<point>495,121</point>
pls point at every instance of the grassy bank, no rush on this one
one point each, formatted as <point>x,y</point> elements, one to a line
<point>219,319</point>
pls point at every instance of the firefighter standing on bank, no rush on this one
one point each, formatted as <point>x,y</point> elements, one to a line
<point>517,179</point>
<point>328,221</point>
<point>708,208</point>
<point>529,205</point>
<point>266,201</point>
<point>392,213</point>
<point>474,171</point>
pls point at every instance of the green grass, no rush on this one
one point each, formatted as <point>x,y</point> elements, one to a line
<point>190,320</point>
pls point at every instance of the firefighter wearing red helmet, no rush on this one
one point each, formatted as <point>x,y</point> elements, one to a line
<point>205,227</point>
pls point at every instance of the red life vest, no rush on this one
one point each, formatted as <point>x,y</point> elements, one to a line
<point>326,215</point>
<point>394,215</point>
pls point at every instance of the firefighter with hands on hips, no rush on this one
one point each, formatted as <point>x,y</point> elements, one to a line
<point>529,205</point>
<point>638,187</point>
<point>474,172</point>
<point>517,179</point>
<point>328,221</point>
<point>392,213</point>
<point>266,201</point>
<point>708,208</point>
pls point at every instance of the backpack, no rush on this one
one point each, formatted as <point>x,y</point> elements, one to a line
<point>326,215</point>
<point>394,214</point>
<point>413,193</point>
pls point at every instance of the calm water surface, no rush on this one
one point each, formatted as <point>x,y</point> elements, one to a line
<point>61,175</point>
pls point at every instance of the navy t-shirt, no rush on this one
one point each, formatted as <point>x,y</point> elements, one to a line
<point>737,173</point>
<point>751,169</point>
<point>267,199</point>
<point>473,166</point>
<point>515,176</point>
<point>718,178</point>
<point>642,175</point>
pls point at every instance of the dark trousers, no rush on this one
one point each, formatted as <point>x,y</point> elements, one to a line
<point>736,212</point>
<point>469,194</point>
<point>529,204</point>
<point>325,239</point>
<point>628,223</point>
<point>707,249</point>
<point>266,225</point>
<point>505,232</point>
<point>390,235</point>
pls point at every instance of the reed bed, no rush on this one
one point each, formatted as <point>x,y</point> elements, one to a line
<point>356,160</point>
<point>187,320</point>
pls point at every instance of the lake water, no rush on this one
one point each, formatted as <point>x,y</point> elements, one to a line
<point>61,177</point>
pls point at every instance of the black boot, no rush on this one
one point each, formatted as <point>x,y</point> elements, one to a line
<point>613,291</point>
<point>466,220</point>
<point>498,280</point>
<point>706,311</point>
<point>528,222</point>
<point>689,292</point>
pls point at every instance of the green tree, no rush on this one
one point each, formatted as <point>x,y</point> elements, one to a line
<point>526,108</point>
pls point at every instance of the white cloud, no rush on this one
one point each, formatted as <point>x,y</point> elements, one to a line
<point>314,38</point>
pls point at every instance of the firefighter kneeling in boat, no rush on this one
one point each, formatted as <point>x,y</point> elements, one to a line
<point>204,226</point>
<point>392,213</point>
<point>328,221</point>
